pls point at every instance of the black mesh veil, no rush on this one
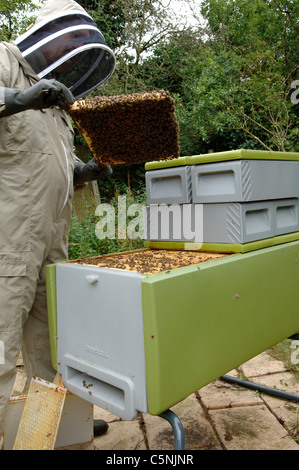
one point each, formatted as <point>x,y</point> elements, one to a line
<point>70,49</point>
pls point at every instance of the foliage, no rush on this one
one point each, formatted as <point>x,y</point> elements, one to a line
<point>133,28</point>
<point>256,44</point>
<point>110,19</point>
<point>232,88</point>
<point>230,79</point>
<point>15,17</point>
<point>82,236</point>
<point>230,100</point>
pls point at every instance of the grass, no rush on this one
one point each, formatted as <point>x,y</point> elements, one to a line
<point>83,241</point>
<point>283,352</point>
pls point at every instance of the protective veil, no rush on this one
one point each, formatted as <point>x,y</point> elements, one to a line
<point>36,180</point>
<point>66,44</point>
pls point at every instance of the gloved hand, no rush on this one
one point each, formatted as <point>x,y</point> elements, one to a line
<point>41,95</point>
<point>89,172</point>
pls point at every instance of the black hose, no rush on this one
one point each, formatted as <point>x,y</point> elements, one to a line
<point>261,388</point>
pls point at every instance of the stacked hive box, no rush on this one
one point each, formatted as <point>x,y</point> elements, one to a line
<point>139,331</point>
<point>229,201</point>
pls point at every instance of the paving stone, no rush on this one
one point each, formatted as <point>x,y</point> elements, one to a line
<point>121,435</point>
<point>286,411</point>
<point>285,381</point>
<point>232,417</point>
<point>262,364</point>
<point>100,413</point>
<point>198,432</point>
<point>287,414</point>
<point>159,433</point>
<point>220,394</point>
<point>251,428</point>
<point>20,382</point>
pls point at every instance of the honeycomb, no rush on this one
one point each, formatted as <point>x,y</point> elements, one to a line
<point>41,416</point>
<point>150,261</point>
<point>128,129</point>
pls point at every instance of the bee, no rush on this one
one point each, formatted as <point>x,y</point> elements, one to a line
<point>127,129</point>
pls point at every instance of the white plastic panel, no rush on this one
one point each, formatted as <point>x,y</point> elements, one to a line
<point>100,350</point>
<point>169,185</point>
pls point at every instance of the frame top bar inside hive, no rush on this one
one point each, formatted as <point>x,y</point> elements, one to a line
<point>128,129</point>
<point>150,261</point>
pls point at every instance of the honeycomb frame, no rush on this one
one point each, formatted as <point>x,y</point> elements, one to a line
<point>128,129</point>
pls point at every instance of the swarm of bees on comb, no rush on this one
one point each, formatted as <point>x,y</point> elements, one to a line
<point>150,261</point>
<point>128,129</point>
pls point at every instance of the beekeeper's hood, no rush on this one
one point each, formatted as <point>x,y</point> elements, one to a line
<point>66,44</point>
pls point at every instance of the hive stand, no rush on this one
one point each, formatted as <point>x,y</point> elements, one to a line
<point>178,429</point>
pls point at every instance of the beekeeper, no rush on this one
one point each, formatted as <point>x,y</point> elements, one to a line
<point>60,59</point>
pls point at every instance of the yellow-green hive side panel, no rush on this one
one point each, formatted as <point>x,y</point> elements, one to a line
<point>201,323</point>
<point>223,156</point>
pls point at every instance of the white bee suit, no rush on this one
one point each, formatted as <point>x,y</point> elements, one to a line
<point>36,191</point>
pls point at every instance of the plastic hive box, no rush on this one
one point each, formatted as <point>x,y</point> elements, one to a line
<point>232,176</point>
<point>223,222</point>
<point>106,365</point>
<point>286,216</point>
<point>100,349</point>
<point>244,181</point>
<point>240,154</point>
<point>130,342</point>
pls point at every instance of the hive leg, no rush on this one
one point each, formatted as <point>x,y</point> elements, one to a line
<point>179,433</point>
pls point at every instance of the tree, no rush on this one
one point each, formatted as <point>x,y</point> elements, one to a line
<point>15,17</point>
<point>242,24</point>
<point>110,19</point>
<point>236,89</point>
<point>134,28</point>
<point>231,78</point>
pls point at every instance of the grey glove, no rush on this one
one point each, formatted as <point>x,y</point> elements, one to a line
<point>83,173</point>
<point>41,95</point>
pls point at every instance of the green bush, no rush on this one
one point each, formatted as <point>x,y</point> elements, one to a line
<point>83,241</point>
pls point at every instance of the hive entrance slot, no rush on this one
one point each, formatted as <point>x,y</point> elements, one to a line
<point>94,388</point>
